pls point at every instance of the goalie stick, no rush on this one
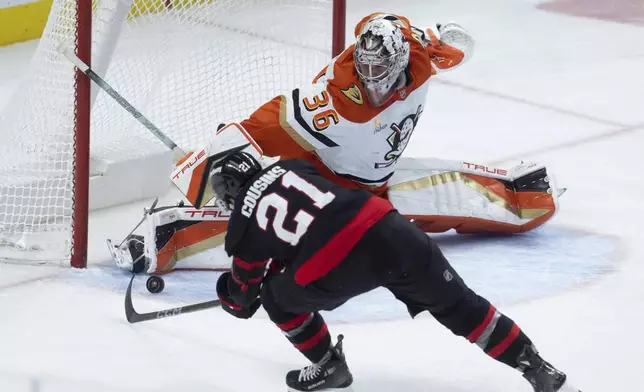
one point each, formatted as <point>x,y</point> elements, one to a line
<point>145,213</point>
<point>178,153</point>
<point>134,317</point>
<point>103,85</point>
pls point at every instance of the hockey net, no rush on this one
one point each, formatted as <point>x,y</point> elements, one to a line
<point>187,65</point>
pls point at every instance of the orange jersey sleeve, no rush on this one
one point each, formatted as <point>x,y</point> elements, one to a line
<point>268,126</point>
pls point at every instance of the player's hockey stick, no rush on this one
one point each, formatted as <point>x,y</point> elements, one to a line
<point>134,317</point>
<point>84,68</point>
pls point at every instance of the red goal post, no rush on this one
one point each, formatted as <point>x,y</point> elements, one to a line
<point>186,64</point>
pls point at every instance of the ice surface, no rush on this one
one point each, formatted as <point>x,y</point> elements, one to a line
<point>561,89</point>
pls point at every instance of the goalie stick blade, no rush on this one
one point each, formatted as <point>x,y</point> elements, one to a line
<point>133,317</point>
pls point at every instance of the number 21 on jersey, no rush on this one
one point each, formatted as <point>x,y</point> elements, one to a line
<point>302,218</point>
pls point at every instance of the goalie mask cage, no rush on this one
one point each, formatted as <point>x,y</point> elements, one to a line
<point>187,65</point>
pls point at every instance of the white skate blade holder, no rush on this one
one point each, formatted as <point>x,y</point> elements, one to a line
<point>120,253</point>
<point>191,175</point>
<point>121,257</point>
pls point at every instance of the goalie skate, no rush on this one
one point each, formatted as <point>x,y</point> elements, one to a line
<point>130,254</point>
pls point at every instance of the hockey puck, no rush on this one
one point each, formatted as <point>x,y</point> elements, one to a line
<point>155,284</point>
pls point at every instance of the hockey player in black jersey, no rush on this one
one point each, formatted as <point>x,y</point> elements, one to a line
<point>326,245</point>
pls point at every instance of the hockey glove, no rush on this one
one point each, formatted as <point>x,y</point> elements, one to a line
<point>227,301</point>
<point>239,289</point>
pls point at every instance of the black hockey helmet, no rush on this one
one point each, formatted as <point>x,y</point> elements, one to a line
<point>230,175</point>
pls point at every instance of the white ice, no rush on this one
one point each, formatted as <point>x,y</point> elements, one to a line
<point>559,89</point>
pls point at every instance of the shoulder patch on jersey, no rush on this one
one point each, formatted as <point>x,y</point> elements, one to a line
<point>353,93</point>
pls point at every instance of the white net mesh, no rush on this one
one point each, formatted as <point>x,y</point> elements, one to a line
<point>187,65</point>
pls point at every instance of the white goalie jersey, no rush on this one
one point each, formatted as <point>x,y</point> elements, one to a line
<point>362,151</point>
<point>333,119</point>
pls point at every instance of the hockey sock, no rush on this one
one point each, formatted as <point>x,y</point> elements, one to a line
<point>474,318</point>
<point>309,334</point>
<point>500,337</point>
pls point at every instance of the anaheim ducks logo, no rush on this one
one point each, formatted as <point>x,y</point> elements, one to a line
<point>399,138</point>
<point>353,93</point>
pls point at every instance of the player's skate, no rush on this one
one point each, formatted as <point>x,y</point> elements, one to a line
<point>330,374</point>
<point>543,376</point>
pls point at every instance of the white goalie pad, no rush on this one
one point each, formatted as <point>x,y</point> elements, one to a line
<point>435,187</point>
<point>170,234</point>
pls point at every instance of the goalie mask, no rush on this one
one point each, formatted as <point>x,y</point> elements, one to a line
<point>230,176</point>
<point>381,55</point>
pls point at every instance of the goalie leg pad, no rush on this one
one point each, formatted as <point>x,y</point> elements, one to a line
<point>174,234</point>
<point>443,195</point>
